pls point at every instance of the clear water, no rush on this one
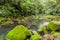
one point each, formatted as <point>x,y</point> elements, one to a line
<point>3,32</point>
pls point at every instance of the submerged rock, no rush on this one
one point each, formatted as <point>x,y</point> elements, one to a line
<point>20,32</point>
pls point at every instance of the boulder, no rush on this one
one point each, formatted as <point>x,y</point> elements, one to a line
<point>20,32</point>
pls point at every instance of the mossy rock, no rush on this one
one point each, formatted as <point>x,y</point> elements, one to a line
<point>36,36</point>
<point>42,29</point>
<point>54,25</point>
<point>20,32</point>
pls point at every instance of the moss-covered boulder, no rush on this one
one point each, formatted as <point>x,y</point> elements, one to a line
<point>20,32</point>
<point>54,25</point>
<point>36,36</point>
<point>42,29</point>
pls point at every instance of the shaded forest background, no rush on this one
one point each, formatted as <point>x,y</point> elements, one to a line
<point>32,19</point>
<point>15,8</point>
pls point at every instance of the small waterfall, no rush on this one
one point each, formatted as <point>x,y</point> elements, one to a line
<point>42,22</point>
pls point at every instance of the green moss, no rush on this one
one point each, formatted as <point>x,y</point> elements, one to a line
<point>1,19</point>
<point>36,36</point>
<point>18,33</point>
<point>43,29</point>
<point>54,25</point>
<point>48,16</point>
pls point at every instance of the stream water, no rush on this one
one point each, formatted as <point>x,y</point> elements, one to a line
<point>4,31</point>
